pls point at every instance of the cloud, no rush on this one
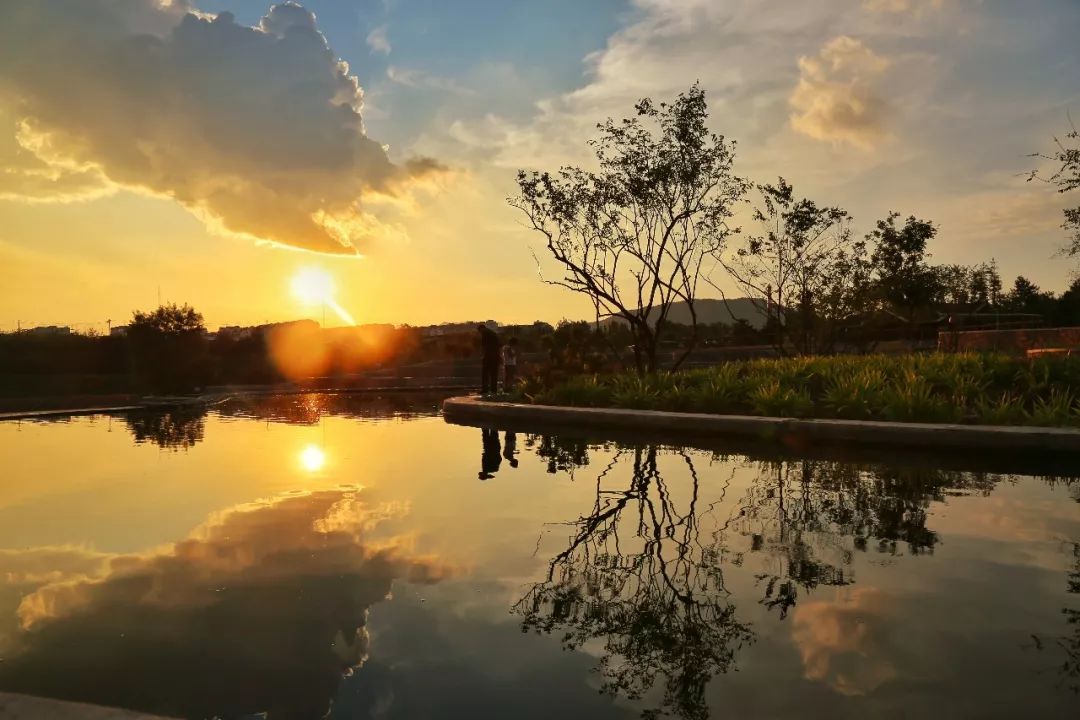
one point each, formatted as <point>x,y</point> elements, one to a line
<point>846,643</point>
<point>378,41</point>
<point>835,98</point>
<point>897,7</point>
<point>256,129</point>
<point>260,609</point>
<point>25,176</point>
<point>414,78</point>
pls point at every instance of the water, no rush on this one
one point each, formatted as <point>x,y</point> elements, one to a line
<point>312,554</point>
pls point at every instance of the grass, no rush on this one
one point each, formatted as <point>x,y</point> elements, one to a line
<point>987,389</point>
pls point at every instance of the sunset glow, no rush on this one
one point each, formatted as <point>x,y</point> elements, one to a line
<point>313,286</point>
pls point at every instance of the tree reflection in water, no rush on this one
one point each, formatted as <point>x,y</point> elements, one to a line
<point>657,600</point>
<point>179,429</point>
<point>1070,644</point>
<point>643,572</point>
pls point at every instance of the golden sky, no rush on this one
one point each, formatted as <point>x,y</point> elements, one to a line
<point>151,146</point>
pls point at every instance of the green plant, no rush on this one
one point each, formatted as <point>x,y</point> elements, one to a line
<point>857,396</point>
<point>1056,409</point>
<point>967,387</point>
<point>1003,409</point>
<point>772,398</point>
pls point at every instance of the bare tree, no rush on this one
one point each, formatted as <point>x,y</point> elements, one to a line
<point>641,233</point>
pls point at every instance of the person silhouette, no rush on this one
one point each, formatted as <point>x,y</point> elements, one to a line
<point>489,362</point>
<point>510,362</point>
<point>491,458</point>
<point>510,448</point>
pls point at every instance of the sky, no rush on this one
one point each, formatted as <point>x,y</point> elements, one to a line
<point>205,151</point>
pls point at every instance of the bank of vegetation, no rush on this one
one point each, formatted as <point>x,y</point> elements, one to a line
<point>987,389</point>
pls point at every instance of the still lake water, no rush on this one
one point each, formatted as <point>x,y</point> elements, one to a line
<point>302,555</point>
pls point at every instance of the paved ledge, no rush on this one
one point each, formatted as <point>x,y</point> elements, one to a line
<point>25,707</point>
<point>35,414</point>
<point>474,411</point>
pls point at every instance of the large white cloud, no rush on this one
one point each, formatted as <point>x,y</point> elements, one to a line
<point>256,129</point>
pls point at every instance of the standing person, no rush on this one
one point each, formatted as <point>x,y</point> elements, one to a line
<point>509,360</point>
<point>489,363</point>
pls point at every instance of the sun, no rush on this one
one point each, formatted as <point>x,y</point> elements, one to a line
<point>312,458</point>
<point>313,286</point>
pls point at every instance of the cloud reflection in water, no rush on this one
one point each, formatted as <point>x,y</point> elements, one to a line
<point>260,609</point>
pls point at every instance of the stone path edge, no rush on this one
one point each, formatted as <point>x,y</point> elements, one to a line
<point>473,410</point>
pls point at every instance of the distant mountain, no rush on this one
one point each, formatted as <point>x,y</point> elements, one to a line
<point>718,311</point>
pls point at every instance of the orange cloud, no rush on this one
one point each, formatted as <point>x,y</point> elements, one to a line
<point>835,98</point>
<point>845,643</point>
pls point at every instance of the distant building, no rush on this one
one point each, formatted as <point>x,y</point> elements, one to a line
<point>537,328</point>
<point>235,332</point>
<point>307,325</point>
<point>49,331</point>
<point>430,331</point>
<point>118,331</point>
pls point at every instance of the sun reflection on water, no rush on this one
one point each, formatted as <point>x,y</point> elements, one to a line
<point>312,458</point>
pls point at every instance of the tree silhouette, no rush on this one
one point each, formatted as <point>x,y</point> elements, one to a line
<point>169,348</point>
<point>804,265</point>
<point>639,235</point>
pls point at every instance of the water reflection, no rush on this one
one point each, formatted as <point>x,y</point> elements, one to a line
<point>871,585</point>
<point>493,452</point>
<point>643,573</point>
<point>172,430</point>
<point>638,578</point>
<point>183,428</point>
<point>310,408</point>
<point>312,458</point>
<point>262,609</point>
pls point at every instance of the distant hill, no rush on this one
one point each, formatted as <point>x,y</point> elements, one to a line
<point>718,311</point>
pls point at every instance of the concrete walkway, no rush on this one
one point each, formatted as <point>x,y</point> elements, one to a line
<point>25,707</point>
<point>474,411</point>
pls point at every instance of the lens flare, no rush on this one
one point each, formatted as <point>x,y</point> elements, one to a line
<point>312,458</point>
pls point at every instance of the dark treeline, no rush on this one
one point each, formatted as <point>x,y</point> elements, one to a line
<point>169,350</point>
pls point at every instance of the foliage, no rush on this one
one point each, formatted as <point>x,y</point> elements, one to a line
<point>635,236</point>
<point>168,348</point>
<point>964,388</point>
<point>805,265</point>
<point>905,282</point>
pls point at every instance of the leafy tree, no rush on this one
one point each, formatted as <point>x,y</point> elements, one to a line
<point>636,236</point>
<point>905,282</point>
<point>168,347</point>
<point>1026,297</point>
<point>804,264</point>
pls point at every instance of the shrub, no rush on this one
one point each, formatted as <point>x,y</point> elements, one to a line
<point>964,387</point>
